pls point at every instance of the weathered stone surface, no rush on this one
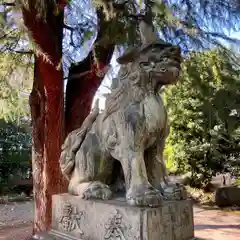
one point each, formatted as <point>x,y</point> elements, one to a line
<point>114,219</point>
<point>227,196</point>
<point>131,130</point>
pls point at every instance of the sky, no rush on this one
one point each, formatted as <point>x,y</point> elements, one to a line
<point>106,83</point>
<point>235,35</point>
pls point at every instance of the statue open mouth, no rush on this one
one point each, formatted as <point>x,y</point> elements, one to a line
<point>163,76</point>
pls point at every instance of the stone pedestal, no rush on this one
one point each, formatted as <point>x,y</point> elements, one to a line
<point>74,218</point>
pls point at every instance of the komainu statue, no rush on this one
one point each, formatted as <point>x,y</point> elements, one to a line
<point>128,137</point>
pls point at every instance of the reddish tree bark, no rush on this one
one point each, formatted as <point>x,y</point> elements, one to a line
<point>80,88</point>
<point>37,106</point>
<point>47,113</point>
<point>47,108</point>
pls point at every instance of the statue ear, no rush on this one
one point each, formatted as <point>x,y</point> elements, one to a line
<point>128,56</point>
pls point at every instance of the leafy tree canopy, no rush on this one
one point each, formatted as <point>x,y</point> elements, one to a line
<point>204,112</point>
<point>16,66</point>
<point>15,82</point>
<point>15,150</point>
<point>191,24</point>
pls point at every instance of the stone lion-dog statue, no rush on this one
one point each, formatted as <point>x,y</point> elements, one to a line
<point>131,131</point>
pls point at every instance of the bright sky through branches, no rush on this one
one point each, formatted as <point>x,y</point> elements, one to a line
<point>106,83</point>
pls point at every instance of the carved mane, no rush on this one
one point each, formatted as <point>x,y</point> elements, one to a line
<point>126,90</point>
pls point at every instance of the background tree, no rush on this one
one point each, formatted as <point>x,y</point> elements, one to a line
<point>15,132</point>
<point>15,80</point>
<point>204,111</point>
<point>15,153</point>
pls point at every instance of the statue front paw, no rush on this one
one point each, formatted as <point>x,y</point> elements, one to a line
<point>174,191</point>
<point>144,196</point>
<point>97,190</point>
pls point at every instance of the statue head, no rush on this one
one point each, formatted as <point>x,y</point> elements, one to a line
<point>160,61</point>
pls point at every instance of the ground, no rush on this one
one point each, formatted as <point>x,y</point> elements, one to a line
<point>16,220</point>
<point>210,224</point>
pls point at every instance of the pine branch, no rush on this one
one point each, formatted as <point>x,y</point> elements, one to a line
<point>23,52</point>
<point>9,4</point>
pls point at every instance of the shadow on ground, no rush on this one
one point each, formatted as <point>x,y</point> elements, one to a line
<point>203,226</point>
<point>210,206</point>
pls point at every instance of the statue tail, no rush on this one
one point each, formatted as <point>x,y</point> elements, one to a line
<point>73,142</point>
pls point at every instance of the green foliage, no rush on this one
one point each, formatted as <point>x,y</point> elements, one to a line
<point>15,151</point>
<point>15,80</point>
<point>237,182</point>
<point>204,111</point>
<point>12,31</point>
<point>169,154</point>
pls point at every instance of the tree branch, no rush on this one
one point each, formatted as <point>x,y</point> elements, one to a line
<point>9,4</point>
<point>68,27</point>
<point>23,52</point>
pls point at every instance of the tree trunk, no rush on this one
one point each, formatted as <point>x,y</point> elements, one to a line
<point>37,106</point>
<point>47,114</point>
<point>81,87</point>
<point>80,92</point>
<point>48,110</point>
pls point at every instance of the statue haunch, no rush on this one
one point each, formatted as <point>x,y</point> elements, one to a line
<point>131,131</point>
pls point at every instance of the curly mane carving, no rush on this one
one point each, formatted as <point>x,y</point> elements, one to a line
<point>73,142</point>
<point>127,89</point>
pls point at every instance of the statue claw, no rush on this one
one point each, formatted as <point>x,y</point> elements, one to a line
<point>97,190</point>
<point>145,196</point>
<point>174,191</point>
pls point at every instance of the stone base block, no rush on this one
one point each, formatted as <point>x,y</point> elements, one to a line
<point>75,219</point>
